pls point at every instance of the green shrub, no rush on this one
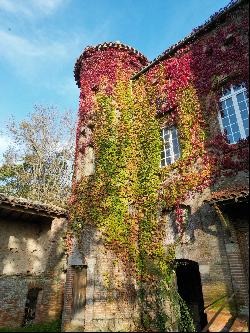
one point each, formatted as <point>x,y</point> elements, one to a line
<point>54,326</point>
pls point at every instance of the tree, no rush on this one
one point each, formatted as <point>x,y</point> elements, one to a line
<point>38,164</point>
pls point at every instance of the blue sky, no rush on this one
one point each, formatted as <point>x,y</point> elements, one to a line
<point>40,41</point>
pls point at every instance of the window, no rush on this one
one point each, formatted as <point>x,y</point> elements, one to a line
<point>171,149</point>
<point>234,113</point>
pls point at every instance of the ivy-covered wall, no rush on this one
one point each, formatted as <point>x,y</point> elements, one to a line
<point>189,84</point>
<point>120,193</point>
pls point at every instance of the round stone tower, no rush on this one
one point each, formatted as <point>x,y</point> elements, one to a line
<point>98,66</point>
<point>96,290</point>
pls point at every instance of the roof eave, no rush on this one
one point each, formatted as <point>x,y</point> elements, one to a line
<point>190,38</point>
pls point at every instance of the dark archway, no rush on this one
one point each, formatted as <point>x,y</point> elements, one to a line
<point>190,289</point>
<point>30,306</point>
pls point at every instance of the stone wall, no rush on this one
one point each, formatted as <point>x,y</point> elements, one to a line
<point>32,256</point>
<point>204,243</point>
<point>221,264</point>
<point>24,246</point>
<point>110,303</point>
<point>107,300</point>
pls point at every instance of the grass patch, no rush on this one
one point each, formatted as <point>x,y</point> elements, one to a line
<point>54,326</point>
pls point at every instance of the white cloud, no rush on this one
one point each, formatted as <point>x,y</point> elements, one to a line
<point>31,57</point>
<point>45,59</point>
<point>38,57</point>
<point>47,6</point>
<point>12,45</point>
<point>31,8</point>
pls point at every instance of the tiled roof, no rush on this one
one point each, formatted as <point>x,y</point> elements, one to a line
<point>89,50</point>
<point>235,194</point>
<point>195,33</point>
<point>25,204</point>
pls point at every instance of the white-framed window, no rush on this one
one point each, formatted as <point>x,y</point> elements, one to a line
<point>234,113</point>
<point>171,148</point>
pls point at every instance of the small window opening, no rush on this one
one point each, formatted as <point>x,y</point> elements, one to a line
<point>229,39</point>
<point>30,306</point>
<point>208,50</point>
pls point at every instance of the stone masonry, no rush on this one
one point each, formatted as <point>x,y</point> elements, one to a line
<point>32,257</point>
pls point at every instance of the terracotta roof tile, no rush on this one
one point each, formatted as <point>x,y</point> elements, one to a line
<point>89,50</point>
<point>235,194</point>
<point>31,205</point>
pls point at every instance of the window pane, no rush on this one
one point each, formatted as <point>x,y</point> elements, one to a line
<point>223,105</point>
<point>168,160</point>
<point>167,152</point>
<point>166,136</point>
<point>174,133</point>
<point>230,138</point>
<point>225,122</point>
<point>246,125</point>
<point>245,93</point>
<point>231,111</point>
<point>167,145</point>
<point>162,154</point>
<point>233,119</point>
<point>238,87</point>
<point>163,163</point>
<point>176,157</point>
<point>234,112</point>
<point>228,130</point>
<point>244,114</point>
<point>235,128</point>
<point>236,136</point>
<point>243,106</point>
<point>229,102</point>
<point>175,146</point>
<point>240,97</point>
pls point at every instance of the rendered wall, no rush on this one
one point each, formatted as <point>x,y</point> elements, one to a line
<point>32,256</point>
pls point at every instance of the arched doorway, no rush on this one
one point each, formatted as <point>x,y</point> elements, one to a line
<point>190,289</point>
